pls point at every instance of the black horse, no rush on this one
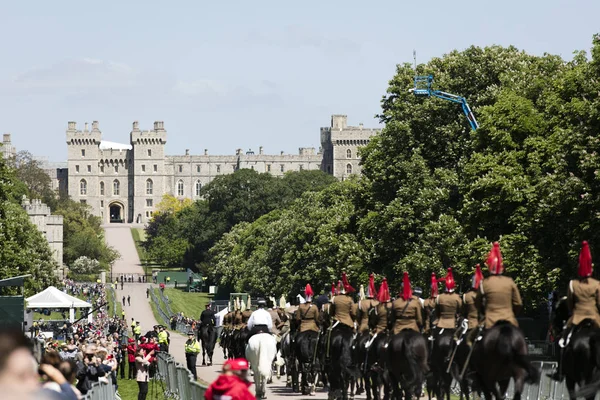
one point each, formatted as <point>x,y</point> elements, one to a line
<point>407,363</point>
<point>341,368</point>
<point>579,360</point>
<point>443,345</point>
<point>305,351</point>
<point>208,337</point>
<point>500,356</point>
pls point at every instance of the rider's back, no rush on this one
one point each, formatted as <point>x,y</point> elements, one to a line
<point>364,307</point>
<point>447,306</point>
<point>308,317</point>
<point>583,299</point>
<point>407,316</point>
<point>501,299</point>
<point>342,307</point>
<point>470,309</point>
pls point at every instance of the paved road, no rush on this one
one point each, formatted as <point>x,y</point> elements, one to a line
<point>119,237</point>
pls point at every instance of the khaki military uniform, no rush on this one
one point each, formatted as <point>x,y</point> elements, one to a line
<point>237,320</point>
<point>245,317</point>
<point>583,299</point>
<point>228,320</point>
<point>412,318</point>
<point>277,324</point>
<point>382,316</point>
<point>447,307</point>
<point>307,317</point>
<point>428,308</point>
<point>499,300</point>
<point>469,309</point>
<point>364,306</point>
<point>342,309</point>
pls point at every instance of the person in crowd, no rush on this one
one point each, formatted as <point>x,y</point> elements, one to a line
<point>142,364</point>
<point>131,351</point>
<point>232,384</point>
<point>192,348</point>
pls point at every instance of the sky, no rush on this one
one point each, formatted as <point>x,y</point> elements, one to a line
<point>240,74</point>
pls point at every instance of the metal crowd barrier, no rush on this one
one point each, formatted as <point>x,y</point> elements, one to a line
<point>179,382</point>
<point>163,315</point>
<point>101,391</point>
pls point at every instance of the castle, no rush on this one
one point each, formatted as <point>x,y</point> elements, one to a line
<point>124,183</point>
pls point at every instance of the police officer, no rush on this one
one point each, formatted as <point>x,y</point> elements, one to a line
<point>448,305</point>
<point>366,305</point>
<point>498,298</point>
<point>407,312</point>
<point>207,317</point>
<point>192,348</point>
<point>163,338</point>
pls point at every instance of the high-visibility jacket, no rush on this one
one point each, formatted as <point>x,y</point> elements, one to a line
<point>192,346</point>
<point>163,337</point>
<point>137,330</point>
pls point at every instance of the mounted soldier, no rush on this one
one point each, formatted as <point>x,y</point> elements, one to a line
<point>407,312</point>
<point>583,303</point>
<point>429,304</point>
<point>469,310</point>
<point>307,318</point>
<point>448,305</point>
<point>341,307</point>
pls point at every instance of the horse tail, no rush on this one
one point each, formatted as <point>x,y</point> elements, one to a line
<point>504,344</point>
<point>507,348</point>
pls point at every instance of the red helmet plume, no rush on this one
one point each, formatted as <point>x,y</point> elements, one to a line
<point>371,289</point>
<point>450,285</point>
<point>406,289</point>
<point>308,292</point>
<point>384,292</point>
<point>434,286</point>
<point>347,287</point>
<point>494,260</point>
<point>478,277</point>
<point>585,261</point>
<point>333,291</point>
<point>339,288</point>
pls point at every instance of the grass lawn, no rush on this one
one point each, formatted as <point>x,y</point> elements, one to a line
<point>139,235</point>
<point>128,389</point>
<point>191,304</point>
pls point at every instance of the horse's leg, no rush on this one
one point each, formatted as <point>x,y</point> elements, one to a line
<point>519,382</point>
<point>203,353</point>
<point>367,379</point>
<point>570,387</point>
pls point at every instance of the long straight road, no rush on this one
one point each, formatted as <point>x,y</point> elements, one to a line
<point>119,237</point>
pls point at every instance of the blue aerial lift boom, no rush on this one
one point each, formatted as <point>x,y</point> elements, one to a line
<point>423,88</point>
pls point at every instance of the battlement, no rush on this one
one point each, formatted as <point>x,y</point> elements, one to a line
<point>85,136</point>
<point>34,207</point>
<point>156,136</point>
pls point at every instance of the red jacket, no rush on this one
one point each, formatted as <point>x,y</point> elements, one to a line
<point>229,387</point>
<point>131,352</point>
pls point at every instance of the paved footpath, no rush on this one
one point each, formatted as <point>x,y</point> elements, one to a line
<point>119,237</point>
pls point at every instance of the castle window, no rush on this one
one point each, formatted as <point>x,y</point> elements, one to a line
<point>83,201</point>
<point>252,167</point>
<point>82,187</point>
<point>198,188</point>
<point>198,169</point>
<point>89,168</point>
<point>301,167</point>
<point>116,187</point>
<point>143,168</point>
<point>155,168</point>
<point>180,188</point>
<point>149,153</point>
<point>268,167</point>
<point>148,202</point>
<point>233,167</point>
<point>116,168</point>
<point>102,168</point>
<point>349,168</point>
<point>180,168</point>
<point>101,188</point>
<point>218,169</point>
<point>282,167</point>
<point>149,186</point>
<point>77,168</point>
<point>101,203</point>
<point>348,153</point>
<point>82,152</point>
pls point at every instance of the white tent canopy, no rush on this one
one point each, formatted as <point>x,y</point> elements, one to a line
<point>52,297</point>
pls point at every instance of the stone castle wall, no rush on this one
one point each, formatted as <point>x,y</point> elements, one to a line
<point>50,225</point>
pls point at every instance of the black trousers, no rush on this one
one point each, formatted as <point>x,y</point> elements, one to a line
<point>132,371</point>
<point>257,329</point>
<point>122,365</point>
<point>190,359</point>
<point>143,390</point>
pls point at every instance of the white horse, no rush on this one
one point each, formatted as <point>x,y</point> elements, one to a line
<point>260,352</point>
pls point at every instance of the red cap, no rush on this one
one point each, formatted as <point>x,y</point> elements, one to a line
<point>143,339</point>
<point>478,277</point>
<point>371,289</point>
<point>131,340</point>
<point>406,289</point>
<point>494,260</point>
<point>585,261</point>
<point>347,288</point>
<point>434,286</point>
<point>384,292</point>
<point>308,292</point>
<point>450,285</point>
<point>237,364</point>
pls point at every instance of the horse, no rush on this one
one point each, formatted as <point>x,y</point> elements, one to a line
<point>407,363</point>
<point>224,341</point>
<point>499,356</point>
<point>443,345</point>
<point>208,337</point>
<point>305,351</point>
<point>260,352</point>
<point>341,370</point>
<point>579,357</point>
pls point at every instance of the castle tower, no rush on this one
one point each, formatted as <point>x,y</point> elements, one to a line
<point>83,150</point>
<point>149,175</point>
